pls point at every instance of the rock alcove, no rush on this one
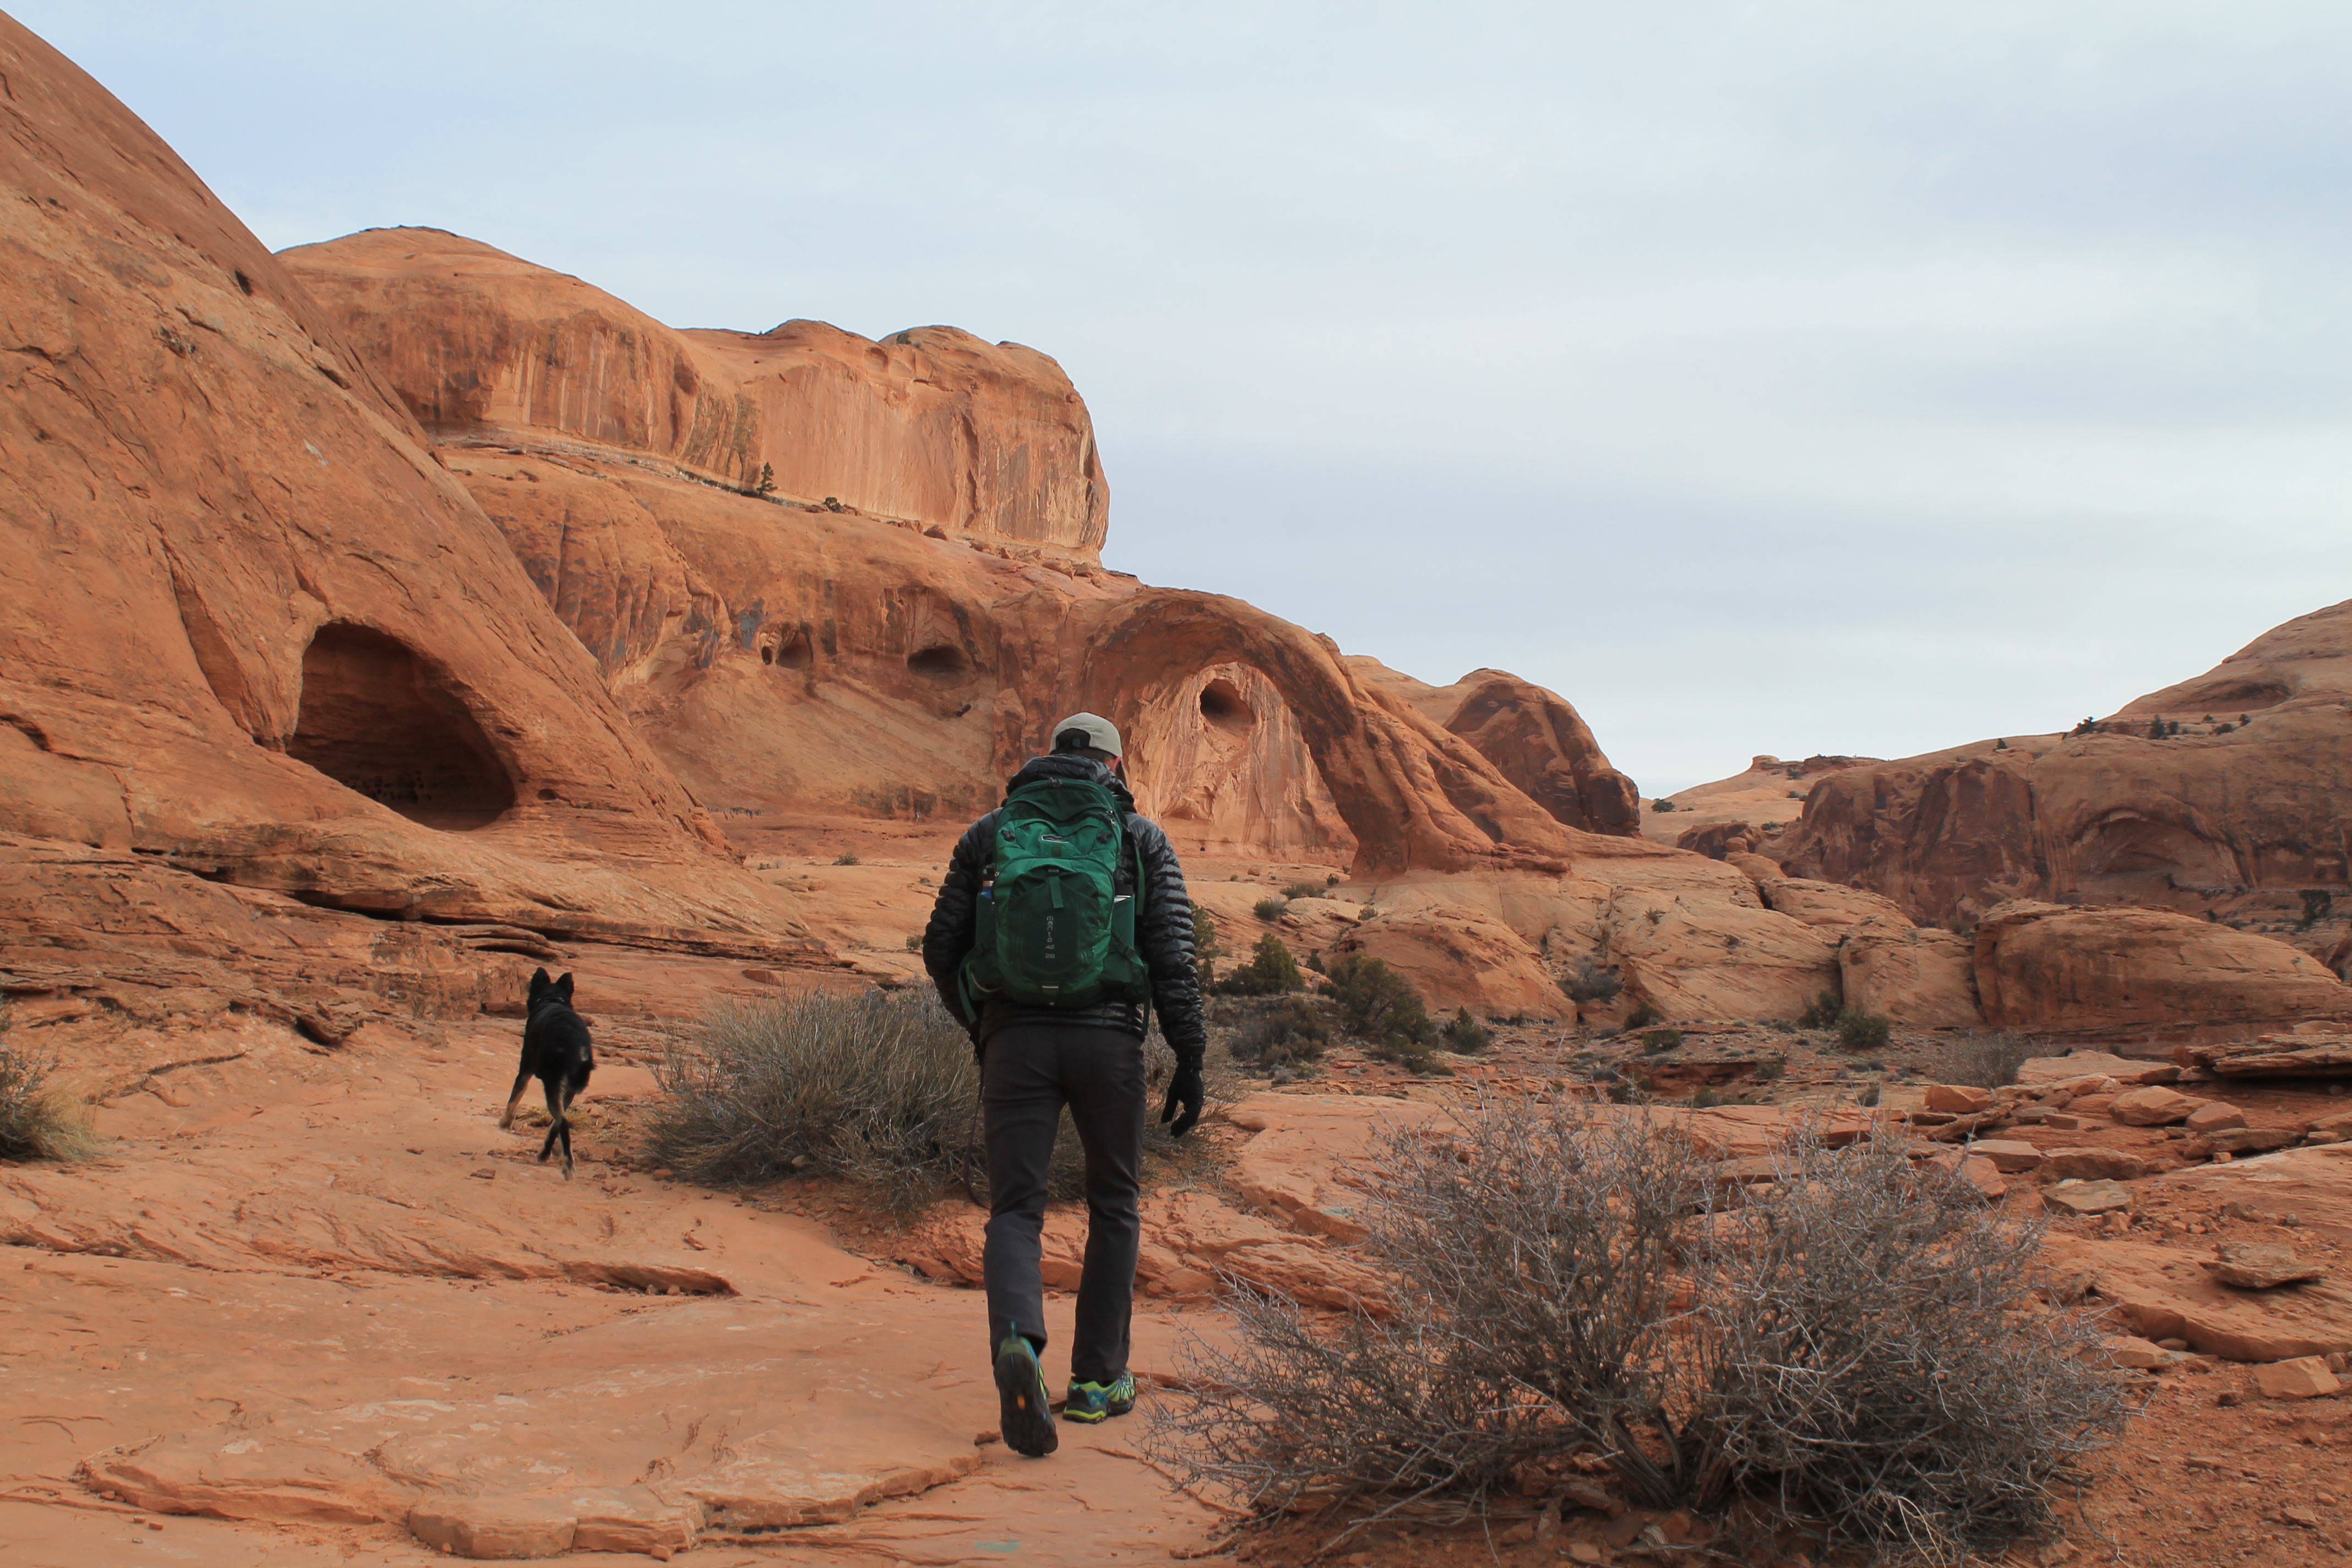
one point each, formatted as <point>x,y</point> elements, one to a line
<point>379,719</point>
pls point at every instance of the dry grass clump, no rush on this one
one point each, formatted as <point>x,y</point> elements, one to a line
<point>877,1088</point>
<point>1854,1349</point>
<point>37,1120</point>
<point>1984,1062</point>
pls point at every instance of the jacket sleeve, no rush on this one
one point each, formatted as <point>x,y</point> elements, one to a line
<point>955,915</point>
<point>1164,933</point>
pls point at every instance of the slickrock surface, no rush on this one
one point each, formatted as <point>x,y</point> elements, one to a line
<point>323,1289</point>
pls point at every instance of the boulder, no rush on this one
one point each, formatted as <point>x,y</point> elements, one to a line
<point>2152,1105</point>
<point>2260,1266</point>
<point>2053,969</point>
<point>1922,978</point>
<point>2162,1293</point>
<point>2091,1164</point>
<point>1985,1176</point>
<point>2215,1116</point>
<point>1958,1099</point>
<point>2305,1377</point>
<point>1694,959</point>
<point>2009,1156</point>
<point>1460,957</point>
<point>2131,1352</point>
<point>2303,1054</point>
<point>2084,1199</point>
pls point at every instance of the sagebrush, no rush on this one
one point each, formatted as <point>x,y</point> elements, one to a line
<point>1589,980</point>
<point>876,1087</point>
<point>1984,1062</point>
<point>1857,1349</point>
<point>39,1121</point>
<point>1290,1034</point>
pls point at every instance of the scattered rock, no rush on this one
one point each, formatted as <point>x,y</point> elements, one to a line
<point>2257,1267</point>
<point>2153,1105</point>
<point>1958,1099</point>
<point>2300,1054</point>
<point>2215,1116</point>
<point>2246,1140</point>
<point>2091,1164</point>
<point>2088,1198</point>
<point>2132,1352</point>
<point>2305,1377</point>
<point>2043,1072</point>
<point>2009,1156</point>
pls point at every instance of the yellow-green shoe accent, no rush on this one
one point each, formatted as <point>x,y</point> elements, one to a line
<point>1092,1401</point>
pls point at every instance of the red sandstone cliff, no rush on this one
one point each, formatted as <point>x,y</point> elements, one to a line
<point>931,425</point>
<point>2246,803</point>
<point>247,619</point>
<point>890,656</point>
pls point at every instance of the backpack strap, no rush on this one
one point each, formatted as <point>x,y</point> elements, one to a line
<point>1125,920</point>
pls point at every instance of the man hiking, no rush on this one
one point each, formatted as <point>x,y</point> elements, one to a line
<point>1061,922</point>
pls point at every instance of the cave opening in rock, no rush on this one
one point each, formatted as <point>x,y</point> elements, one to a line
<point>378,720</point>
<point>1223,709</point>
<point>793,650</point>
<point>939,662</point>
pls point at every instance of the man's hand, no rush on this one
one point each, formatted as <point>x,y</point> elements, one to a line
<point>1183,1089</point>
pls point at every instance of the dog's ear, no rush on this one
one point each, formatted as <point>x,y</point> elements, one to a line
<point>539,980</point>
<point>564,988</point>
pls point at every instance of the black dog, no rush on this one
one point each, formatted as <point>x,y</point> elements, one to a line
<point>556,1050</point>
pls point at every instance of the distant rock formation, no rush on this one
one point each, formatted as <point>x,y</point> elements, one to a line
<point>932,426</point>
<point>878,653</point>
<point>2239,797</point>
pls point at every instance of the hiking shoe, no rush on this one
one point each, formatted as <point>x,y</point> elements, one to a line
<point>1025,1408</point>
<point>1092,1402</point>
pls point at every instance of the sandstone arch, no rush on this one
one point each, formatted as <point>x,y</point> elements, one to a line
<point>1415,796</point>
<point>380,720</point>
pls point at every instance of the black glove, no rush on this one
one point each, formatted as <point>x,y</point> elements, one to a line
<point>1183,1089</point>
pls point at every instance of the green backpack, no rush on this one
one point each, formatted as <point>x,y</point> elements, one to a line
<point>1053,932</point>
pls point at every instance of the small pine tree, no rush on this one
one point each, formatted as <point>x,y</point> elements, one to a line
<point>2156,728</point>
<point>766,485</point>
<point>1205,951</point>
<point>1381,1007</point>
<point>1465,1034</point>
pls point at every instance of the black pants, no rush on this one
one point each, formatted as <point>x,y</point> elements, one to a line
<point>1030,1070</point>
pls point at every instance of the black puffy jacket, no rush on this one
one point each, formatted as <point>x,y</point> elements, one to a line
<point>1163,930</point>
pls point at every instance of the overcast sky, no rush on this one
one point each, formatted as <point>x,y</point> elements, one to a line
<point>1763,377</point>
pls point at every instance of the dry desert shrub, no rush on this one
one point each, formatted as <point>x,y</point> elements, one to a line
<point>37,1120</point>
<point>1589,980</point>
<point>876,1087</point>
<point>1290,1034</point>
<point>1984,1062</point>
<point>1856,1349</point>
